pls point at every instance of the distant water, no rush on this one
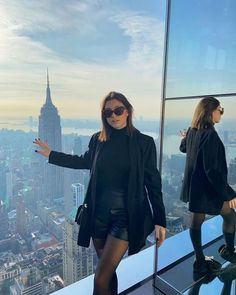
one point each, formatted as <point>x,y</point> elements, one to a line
<point>22,125</point>
<point>171,142</point>
<point>25,126</point>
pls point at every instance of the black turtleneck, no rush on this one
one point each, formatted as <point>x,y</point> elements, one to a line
<point>113,161</point>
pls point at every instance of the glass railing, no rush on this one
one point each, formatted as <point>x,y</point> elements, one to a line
<point>136,268</point>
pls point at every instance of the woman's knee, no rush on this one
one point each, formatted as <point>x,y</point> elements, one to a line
<point>225,210</point>
<point>229,218</point>
<point>197,220</point>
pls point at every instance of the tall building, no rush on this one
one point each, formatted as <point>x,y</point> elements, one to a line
<point>36,183</point>
<point>3,221</point>
<point>77,148</point>
<point>20,216</point>
<point>50,131</point>
<point>29,283</point>
<point>77,261</point>
<point>232,172</point>
<point>78,194</point>
<point>9,186</point>
<point>74,176</point>
<point>3,181</point>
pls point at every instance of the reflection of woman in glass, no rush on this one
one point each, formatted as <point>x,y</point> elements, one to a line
<point>226,275</point>
<point>205,184</point>
<point>124,178</point>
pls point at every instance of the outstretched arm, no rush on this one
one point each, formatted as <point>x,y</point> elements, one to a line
<point>66,160</point>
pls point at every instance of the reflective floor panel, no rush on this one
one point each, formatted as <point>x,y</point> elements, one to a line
<point>178,279</point>
<point>222,284</point>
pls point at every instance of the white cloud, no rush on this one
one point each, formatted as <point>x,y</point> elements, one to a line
<point>23,60</point>
<point>15,50</point>
<point>30,16</point>
<point>20,23</point>
<point>147,39</point>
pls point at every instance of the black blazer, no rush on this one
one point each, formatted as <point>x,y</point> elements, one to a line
<point>205,184</point>
<point>144,187</point>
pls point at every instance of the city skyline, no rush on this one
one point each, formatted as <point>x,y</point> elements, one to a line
<point>90,48</point>
<point>94,46</point>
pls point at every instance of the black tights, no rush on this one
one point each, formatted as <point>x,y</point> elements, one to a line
<point>228,228</point>
<point>110,252</point>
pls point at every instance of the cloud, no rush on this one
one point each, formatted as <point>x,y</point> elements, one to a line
<point>22,22</point>
<point>147,39</point>
<point>15,50</point>
<point>38,16</point>
<point>24,59</point>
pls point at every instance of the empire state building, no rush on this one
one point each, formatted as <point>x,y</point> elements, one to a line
<point>50,131</point>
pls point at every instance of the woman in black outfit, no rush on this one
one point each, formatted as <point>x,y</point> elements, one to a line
<point>205,184</point>
<point>124,178</point>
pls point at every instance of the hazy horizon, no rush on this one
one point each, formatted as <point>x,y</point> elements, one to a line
<point>89,48</point>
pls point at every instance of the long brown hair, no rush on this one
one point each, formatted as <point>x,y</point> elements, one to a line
<point>105,132</point>
<point>202,117</point>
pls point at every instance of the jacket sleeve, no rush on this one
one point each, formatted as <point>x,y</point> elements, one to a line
<point>182,146</point>
<point>215,166</point>
<point>74,161</point>
<point>152,181</point>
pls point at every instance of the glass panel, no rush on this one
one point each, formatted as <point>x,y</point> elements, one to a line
<point>201,48</point>
<point>90,48</point>
<point>178,117</point>
<point>224,283</point>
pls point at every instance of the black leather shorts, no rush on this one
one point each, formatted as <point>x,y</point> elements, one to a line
<point>110,216</point>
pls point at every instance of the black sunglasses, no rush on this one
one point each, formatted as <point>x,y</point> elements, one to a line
<point>107,113</point>
<point>221,110</point>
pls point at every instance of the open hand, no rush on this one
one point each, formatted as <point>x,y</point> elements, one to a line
<point>45,149</point>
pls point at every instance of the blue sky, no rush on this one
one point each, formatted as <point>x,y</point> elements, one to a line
<point>94,46</point>
<point>90,48</point>
<point>202,53</point>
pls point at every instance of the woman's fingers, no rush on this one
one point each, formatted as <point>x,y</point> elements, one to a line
<point>232,203</point>
<point>160,234</point>
<point>39,142</point>
<point>183,132</point>
<point>45,149</point>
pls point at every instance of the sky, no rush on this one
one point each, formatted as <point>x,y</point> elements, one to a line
<point>202,48</point>
<point>90,47</point>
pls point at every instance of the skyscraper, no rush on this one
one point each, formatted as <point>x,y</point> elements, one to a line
<point>29,283</point>
<point>21,216</point>
<point>50,131</point>
<point>77,261</point>
<point>3,221</point>
<point>77,148</point>
<point>78,194</point>
<point>3,171</point>
<point>73,177</point>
